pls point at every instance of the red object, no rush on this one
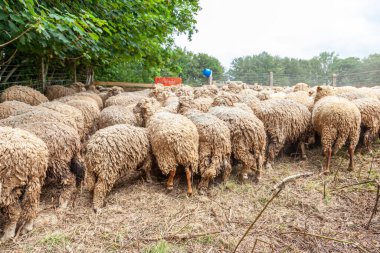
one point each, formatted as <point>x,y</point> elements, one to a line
<point>168,81</point>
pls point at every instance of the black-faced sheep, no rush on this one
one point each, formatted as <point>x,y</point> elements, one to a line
<point>23,164</point>
<point>370,118</point>
<point>10,108</point>
<point>248,138</point>
<point>110,154</point>
<point>286,122</point>
<point>23,94</point>
<point>174,139</point>
<point>337,120</point>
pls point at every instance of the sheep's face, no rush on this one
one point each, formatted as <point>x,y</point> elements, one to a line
<point>323,91</point>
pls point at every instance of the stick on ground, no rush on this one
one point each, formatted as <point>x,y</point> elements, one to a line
<point>375,207</point>
<point>257,217</point>
<point>291,178</point>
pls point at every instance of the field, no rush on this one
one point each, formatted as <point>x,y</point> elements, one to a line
<point>312,214</point>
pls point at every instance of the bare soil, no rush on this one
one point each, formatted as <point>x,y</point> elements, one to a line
<point>313,214</point>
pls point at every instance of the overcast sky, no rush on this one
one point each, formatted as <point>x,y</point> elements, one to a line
<point>294,28</point>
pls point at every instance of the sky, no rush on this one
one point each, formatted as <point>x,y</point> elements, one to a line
<point>228,29</point>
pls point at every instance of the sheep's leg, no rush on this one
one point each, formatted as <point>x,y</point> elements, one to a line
<point>259,166</point>
<point>147,166</point>
<point>227,169</point>
<point>326,169</point>
<point>13,211</point>
<point>303,150</point>
<point>367,140</point>
<point>102,188</point>
<point>188,179</point>
<point>203,185</point>
<point>351,150</point>
<point>30,204</point>
<point>170,182</point>
<point>271,155</point>
<point>69,187</point>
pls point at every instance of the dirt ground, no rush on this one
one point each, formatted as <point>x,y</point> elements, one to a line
<point>312,214</point>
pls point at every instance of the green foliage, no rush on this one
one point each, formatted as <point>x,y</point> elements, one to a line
<point>173,62</point>
<point>160,247</point>
<point>94,31</point>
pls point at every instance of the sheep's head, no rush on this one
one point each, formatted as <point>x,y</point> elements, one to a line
<point>225,100</point>
<point>323,91</point>
<point>78,86</point>
<point>144,109</point>
<point>185,104</point>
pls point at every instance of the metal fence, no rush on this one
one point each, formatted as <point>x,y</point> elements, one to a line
<point>31,75</point>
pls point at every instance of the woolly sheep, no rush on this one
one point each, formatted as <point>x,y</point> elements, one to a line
<point>370,118</point>
<point>10,108</point>
<point>39,114</point>
<point>286,122</point>
<point>301,87</point>
<point>202,104</point>
<point>337,120</point>
<point>94,96</point>
<point>57,91</point>
<point>110,154</point>
<point>63,143</point>
<point>68,111</point>
<point>90,113</point>
<point>23,163</point>
<point>174,139</point>
<point>301,97</point>
<point>123,99</point>
<point>23,94</point>
<point>116,114</point>
<point>214,146</point>
<point>248,138</point>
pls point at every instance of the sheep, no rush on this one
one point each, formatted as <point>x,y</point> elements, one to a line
<point>202,104</point>
<point>56,91</point>
<point>286,122</point>
<point>301,87</point>
<point>206,92</point>
<point>110,154</point>
<point>69,111</point>
<point>301,97</point>
<point>63,143</point>
<point>123,99</point>
<point>10,108</point>
<point>113,91</point>
<point>116,114</point>
<point>40,114</point>
<point>80,98</point>
<point>90,113</point>
<point>370,118</point>
<point>174,139</point>
<point>23,94</point>
<point>337,120</point>
<point>94,96</point>
<point>229,100</point>
<point>214,145</point>
<point>248,138</point>
<point>23,163</point>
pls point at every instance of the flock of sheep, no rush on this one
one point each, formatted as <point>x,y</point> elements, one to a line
<point>73,135</point>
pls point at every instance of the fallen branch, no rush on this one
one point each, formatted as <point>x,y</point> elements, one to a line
<point>291,178</point>
<point>375,207</point>
<point>181,236</point>
<point>257,217</point>
<point>354,244</point>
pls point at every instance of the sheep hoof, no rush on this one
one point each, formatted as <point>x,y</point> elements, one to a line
<point>202,191</point>
<point>27,228</point>
<point>189,194</point>
<point>97,210</point>
<point>304,157</point>
<point>350,168</point>
<point>169,187</point>
<point>268,166</point>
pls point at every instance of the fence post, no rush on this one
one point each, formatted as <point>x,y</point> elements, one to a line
<point>75,72</point>
<point>43,74</point>
<point>334,77</point>
<point>210,79</point>
<point>271,79</point>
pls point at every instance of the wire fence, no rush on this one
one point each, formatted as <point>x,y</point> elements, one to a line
<point>31,75</point>
<point>357,79</point>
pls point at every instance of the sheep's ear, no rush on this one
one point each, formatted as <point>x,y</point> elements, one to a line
<point>319,88</point>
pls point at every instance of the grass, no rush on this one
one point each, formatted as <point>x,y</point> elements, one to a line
<point>160,247</point>
<point>55,241</point>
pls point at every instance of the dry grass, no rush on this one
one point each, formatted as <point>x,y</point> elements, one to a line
<point>139,217</point>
